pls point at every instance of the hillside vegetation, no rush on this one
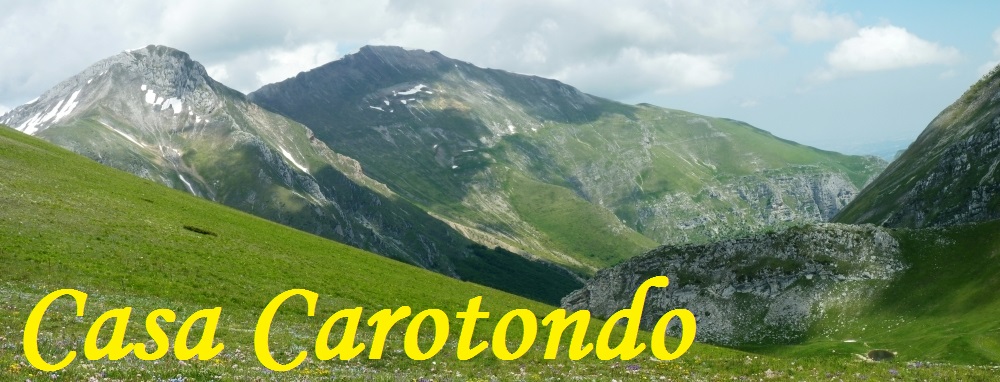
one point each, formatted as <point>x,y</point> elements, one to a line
<point>943,307</point>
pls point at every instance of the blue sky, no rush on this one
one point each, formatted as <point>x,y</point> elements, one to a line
<point>851,76</point>
<point>877,106</point>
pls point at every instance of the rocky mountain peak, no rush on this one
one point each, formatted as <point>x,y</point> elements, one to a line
<point>158,79</point>
<point>167,68</point>
<point>393,85</point>
<point>371,69</point>
<point>394,57</point>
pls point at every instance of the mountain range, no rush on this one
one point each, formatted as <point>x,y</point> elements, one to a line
<point>515,182</point>
<point>540,167</point>
<point>157,114</point>
<point>428,160</point>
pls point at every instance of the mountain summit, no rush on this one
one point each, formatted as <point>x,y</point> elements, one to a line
<point>172,86</point>
<point>157,114</point>
<point>389,73</point>
<point>540,167</point>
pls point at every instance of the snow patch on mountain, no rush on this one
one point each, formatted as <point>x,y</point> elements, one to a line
<point>288,156</point>
<point>30,126</point>
<point>187,184</point>
<point>52,113</point>
<point>68,108</point>
<point>412,91</point>
<point>172,103</point>
<point>124,135</point>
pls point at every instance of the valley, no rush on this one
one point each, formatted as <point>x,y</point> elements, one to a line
<point>73,223</point>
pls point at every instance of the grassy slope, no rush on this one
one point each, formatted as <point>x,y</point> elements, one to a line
<point>68,222</point>
<point>572,225</point>
<point>944,307</point>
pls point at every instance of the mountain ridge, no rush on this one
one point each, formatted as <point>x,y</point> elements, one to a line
<point>478,146</point>
<point>415,155</point>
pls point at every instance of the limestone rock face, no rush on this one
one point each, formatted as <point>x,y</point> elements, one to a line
<point>758,290</point>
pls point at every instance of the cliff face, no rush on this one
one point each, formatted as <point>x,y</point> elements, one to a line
<point>758,290</point>
<point>747,205</point>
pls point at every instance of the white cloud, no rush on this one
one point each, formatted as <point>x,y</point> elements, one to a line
<point>535,50</point>
<point>282,64</point>
<point>638,24</point>
<point>657,73</point>
<point>821,27</point>
<point>250,70</point>
<point>696,44</point>
<point>883,48</point>
<point>218,72</point>
<point>255,41</point>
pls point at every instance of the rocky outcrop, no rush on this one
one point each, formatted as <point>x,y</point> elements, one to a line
<point>757,290</point>
<point>754,203</point>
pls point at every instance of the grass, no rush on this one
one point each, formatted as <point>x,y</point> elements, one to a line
<point>943,307</point>
<point>573,225</point>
